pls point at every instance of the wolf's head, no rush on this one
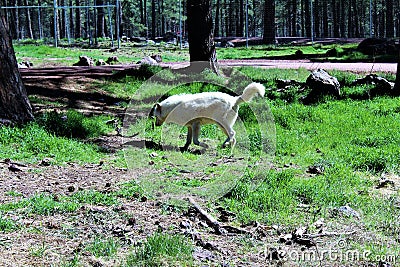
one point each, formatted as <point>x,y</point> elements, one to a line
<point>155,113</point>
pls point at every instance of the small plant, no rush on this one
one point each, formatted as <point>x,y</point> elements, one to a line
<point>129,190</point>
<point>7,225</point>
<point>74,262</point>
<point>103,247</point>
<point>160,249</point>
<point>38,251</point>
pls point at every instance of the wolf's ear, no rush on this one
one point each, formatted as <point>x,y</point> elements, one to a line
<point>155,111</point>
<point>157,108</point>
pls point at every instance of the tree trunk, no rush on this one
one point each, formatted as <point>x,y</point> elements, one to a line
<point>356,19</point>
<point>317,18</point>
<point>29,21</point>
<point>389,19</point>
<point>101,19</point>
<point>269,22</point>
<point>294,18</point>
<point>342,25</point>
<point>14,103</point>
<point>200,33</point>
<point>241,19</point>
<point>336,20</point>
<point>325,19</point>
<point>153,19</point>
<point>217,18</point>
<point>307,18</point>
<point>78,26</point>
<point>397,82</point>
<point>71,21</point>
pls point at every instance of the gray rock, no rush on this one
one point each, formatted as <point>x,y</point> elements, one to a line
<point>348,211</point>
<point>321,83</point>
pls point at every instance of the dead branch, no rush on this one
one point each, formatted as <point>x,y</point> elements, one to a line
<point>212,222</point>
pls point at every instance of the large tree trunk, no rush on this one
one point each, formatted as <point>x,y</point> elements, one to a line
<point>397,82</point>
<point>78,21</point>
<point>217,18</point>
<point>28,21</point>
<point>389,19</point>
<point>293,22</point>
<point>101,19</point>
<point>200,33</point>
<point>14,103</point>
<point>307,18</point>
<point>269,22</point>
<point>153,19</point>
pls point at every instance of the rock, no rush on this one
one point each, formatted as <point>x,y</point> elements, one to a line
<point>316,169</point>
<point>46,162</point>
<point>84,61</point>
<point>147,61</point>
<point>377,46</point>
<point>138,39</point>
<point>169,37</point>
<point>100,62</point>
<point>71,188</point>
<point>131,221</point>
<point>319,223</point>
<point>283,84</point>
<point>299,54</point>
<point>157,58</point>
<point>321,83</point>
<point>347,211</point>
<point>111,60</point>
<point>383,86</point>
<point>14,168</point>
<point>332,52</point>
<point>226,44</point>
<point>150,42</point>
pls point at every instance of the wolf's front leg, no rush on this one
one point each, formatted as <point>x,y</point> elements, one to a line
<point>196,133</point>
<point>188,139</point>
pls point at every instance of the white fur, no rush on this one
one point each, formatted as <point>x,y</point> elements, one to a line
<point>194,110</point>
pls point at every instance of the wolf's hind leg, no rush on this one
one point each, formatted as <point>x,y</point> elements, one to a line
<point>230,133</point>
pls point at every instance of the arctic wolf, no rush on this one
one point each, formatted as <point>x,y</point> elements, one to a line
<point>194,110</point>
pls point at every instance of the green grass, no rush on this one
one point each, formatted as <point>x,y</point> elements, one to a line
<point>7,225</point>
<point>55,136</point>
<point>42,204</point>
<point>43,55</point>
<point>48,204</point>
<point>103,247</point>
<point>94,197</point>
<point>73,124</point>
<point>162,249</point>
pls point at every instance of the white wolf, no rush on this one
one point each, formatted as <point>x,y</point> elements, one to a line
<point>194,110</point>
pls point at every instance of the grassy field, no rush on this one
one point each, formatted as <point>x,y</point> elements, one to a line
<point>351,143</point>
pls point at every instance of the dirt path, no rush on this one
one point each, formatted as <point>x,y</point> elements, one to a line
<point>59,73</point>
<point>290,64</point>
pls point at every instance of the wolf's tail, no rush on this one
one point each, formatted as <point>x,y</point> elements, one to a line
<point>250,91</point>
